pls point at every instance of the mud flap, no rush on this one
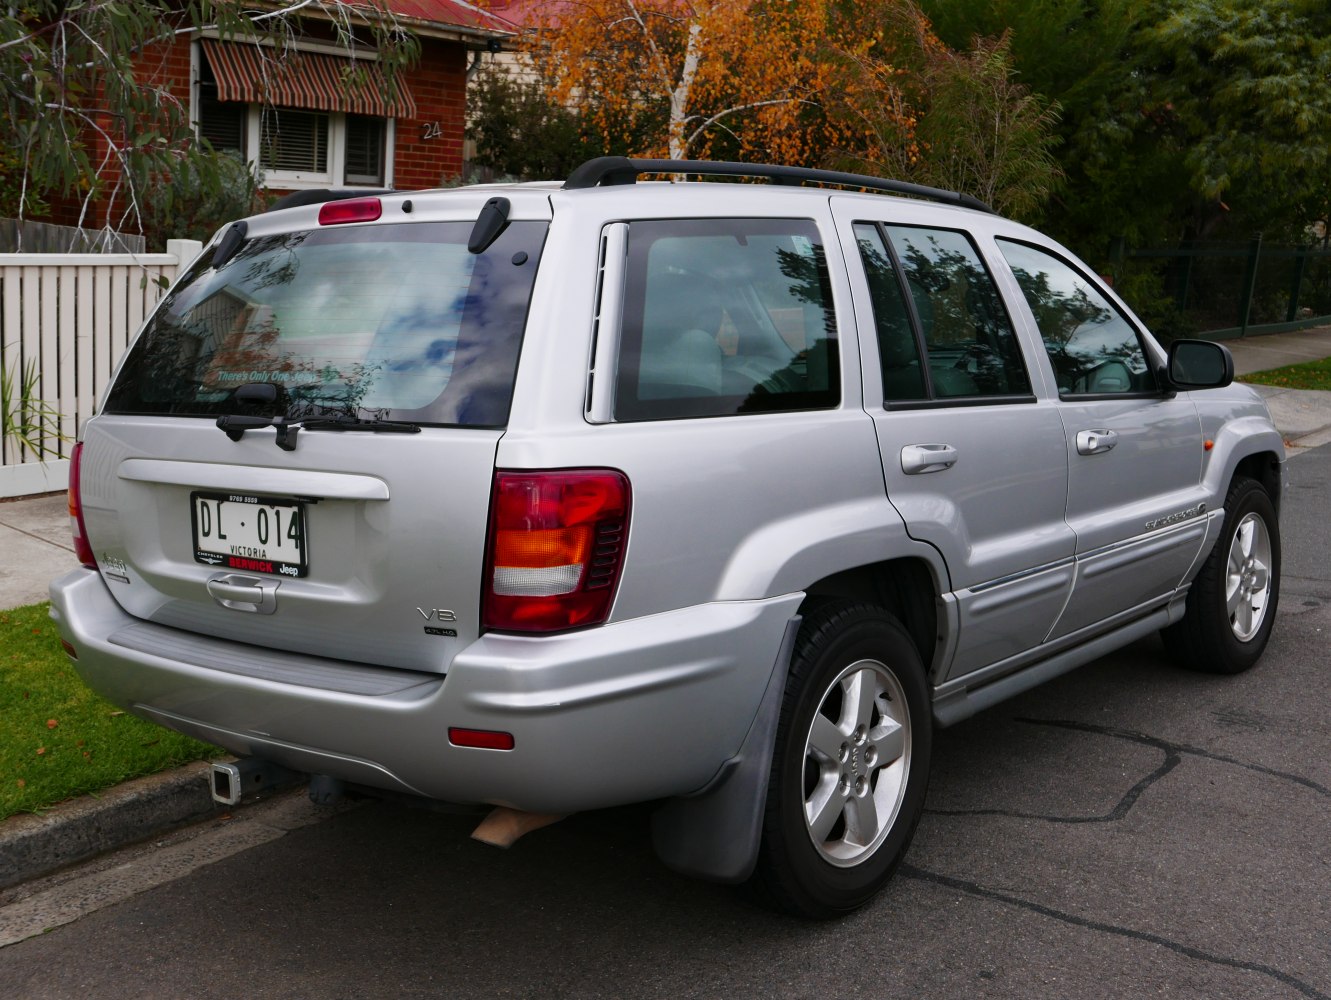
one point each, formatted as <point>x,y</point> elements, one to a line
<point>714,833</point>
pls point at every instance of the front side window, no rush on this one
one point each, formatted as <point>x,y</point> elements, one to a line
<point>943,332</point>
<point>725,317</point>
<point>397,322</point>
<point>1094,350</point>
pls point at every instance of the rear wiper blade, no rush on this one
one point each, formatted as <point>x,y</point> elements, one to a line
<point>236,424</point>
<point>357,424</point>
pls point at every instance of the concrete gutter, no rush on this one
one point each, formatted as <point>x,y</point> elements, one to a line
<point>73,831</point>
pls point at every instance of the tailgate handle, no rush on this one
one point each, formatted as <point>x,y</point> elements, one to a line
<point>244,593</point>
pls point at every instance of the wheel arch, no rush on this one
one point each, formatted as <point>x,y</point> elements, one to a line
<point>1266,468</point>
<point>1247,446</point>
<point>908,588</point>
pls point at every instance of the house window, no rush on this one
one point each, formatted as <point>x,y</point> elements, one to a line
<point>365,150</point>
<point>222,123</point>
<point>291,140</point>
<point>294,146</point>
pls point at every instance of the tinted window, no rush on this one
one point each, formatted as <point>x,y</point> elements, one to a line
<point>724,317</point>
<point>971,346</point>
<point>930,288</point>
<point>898,350</point>
<point>1092,346</point>
<point>393,321</point>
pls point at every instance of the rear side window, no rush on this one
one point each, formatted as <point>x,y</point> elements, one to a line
<point>943,332</point>
<point>724,317</point>
<point>398,322</point>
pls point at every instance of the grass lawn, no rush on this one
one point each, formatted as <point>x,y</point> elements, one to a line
<point>1312,375</point>
<point>57,738</point>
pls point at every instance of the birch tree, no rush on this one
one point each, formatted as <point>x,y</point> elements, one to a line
<point>685,79</point>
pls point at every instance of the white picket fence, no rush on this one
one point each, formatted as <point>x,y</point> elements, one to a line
<point>69,317</point>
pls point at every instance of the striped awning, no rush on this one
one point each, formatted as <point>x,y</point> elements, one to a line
<point>264,75</point>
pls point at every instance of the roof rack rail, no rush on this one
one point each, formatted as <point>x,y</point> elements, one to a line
<point>614,170</point>
<point>317,196</point>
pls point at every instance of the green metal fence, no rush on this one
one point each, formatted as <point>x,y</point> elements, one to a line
<point>1227,290</point>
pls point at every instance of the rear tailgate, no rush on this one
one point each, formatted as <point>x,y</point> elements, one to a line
<point>392,553</point>
<point>298,452</point>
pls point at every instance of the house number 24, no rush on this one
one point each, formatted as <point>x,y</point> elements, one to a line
<point>431,130</point>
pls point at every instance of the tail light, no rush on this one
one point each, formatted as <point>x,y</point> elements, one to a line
<point>556,546</point>
<point>80,531</point>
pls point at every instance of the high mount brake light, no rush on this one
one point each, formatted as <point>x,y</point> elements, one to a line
<point>556,547</point>
<point>76,526</point>
<point>335,213</point>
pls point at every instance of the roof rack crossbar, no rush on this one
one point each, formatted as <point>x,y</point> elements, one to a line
<point>615,170</point>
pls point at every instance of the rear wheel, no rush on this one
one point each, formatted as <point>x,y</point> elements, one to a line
<point>1232,603</point>
<point>851,763</point>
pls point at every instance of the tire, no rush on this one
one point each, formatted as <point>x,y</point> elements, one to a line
<point>1232,603</point>
<point>848,777</point>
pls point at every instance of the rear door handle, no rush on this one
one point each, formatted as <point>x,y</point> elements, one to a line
<point>917,459</point>
<point>1095,442</point>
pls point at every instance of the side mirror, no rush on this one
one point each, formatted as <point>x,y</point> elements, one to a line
<point>1199,364</point>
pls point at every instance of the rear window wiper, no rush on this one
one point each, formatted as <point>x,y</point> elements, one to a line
<point>236,424</point>
<point>344,423</point>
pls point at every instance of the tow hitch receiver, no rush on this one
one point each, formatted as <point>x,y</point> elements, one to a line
<point>230,782</point>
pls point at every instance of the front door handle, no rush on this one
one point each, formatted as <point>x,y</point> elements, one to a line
<point>1095,442</point>
<point>917,459</point>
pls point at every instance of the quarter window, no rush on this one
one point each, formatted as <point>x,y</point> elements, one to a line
<point>1093,348</point>
<point>943,332</point>
<point>724,317</point>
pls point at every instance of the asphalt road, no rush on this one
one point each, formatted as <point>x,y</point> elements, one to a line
<point>1127,830</point>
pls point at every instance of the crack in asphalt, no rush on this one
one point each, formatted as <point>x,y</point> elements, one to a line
<point>979,891</point>
<point>1174,754</point>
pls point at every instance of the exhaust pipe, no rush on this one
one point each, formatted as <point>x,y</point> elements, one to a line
<point>232,781</point>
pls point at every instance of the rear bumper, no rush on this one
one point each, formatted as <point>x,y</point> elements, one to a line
<point>626,712</point>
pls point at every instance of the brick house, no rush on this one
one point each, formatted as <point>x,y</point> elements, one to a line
<point>288,113</point>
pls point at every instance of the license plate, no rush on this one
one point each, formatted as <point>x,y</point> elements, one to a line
<point>253,533</point>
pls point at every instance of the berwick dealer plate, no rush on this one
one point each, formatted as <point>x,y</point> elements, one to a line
<point>246,532</point>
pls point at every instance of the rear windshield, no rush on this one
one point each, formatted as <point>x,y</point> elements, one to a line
<point>396,322</point>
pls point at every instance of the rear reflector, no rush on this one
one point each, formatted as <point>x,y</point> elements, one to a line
<point>557,544</point>
<point>334,213</point>
<point>82,549</point>
<point>482,739</point>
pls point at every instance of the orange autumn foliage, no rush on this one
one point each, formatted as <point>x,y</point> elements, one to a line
<point>680,79</point>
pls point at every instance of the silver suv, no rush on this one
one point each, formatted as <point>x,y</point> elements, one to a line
<point>723,495</point>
